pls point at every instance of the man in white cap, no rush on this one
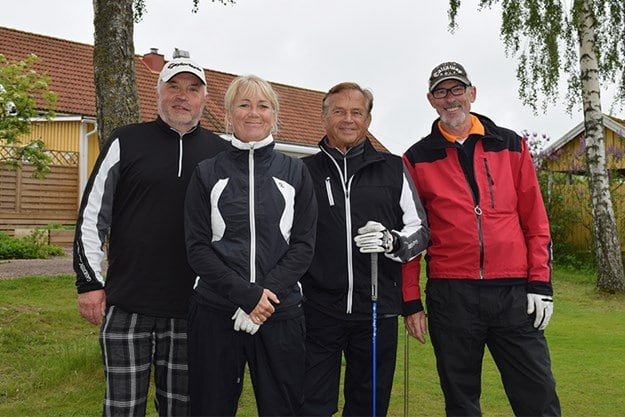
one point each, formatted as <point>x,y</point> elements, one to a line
<point>134,202</point>
<point>489,258</point>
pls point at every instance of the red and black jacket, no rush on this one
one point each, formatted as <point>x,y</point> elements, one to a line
<point>485,209</point>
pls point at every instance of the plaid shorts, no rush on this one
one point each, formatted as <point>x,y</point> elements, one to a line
<point>131,344</point>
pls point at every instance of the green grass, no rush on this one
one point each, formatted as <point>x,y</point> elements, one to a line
<point>50,360</point>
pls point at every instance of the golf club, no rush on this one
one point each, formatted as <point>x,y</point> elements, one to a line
<point>374,301</point>
<point>406,338</point>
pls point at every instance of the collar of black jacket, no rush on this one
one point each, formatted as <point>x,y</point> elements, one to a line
<point>352,152</point>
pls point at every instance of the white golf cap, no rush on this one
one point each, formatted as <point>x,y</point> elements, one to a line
<point>178,65</point>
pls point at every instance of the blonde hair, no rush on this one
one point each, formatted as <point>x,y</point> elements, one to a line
<point>250,85</point>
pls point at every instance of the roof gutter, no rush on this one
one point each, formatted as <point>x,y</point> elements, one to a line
<point>296,150</point>
<point>83,153</point>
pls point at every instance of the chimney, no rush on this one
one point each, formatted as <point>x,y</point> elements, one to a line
<point>154,61</point>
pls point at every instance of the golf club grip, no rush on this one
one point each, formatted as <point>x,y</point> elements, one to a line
<point>374,276</point>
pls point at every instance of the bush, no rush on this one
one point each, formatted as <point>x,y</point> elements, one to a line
<point>33,246</point>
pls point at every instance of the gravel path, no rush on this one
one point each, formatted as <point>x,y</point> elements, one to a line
<point>57,265</point>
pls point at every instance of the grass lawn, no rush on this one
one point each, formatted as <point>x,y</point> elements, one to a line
<point>50,360</point>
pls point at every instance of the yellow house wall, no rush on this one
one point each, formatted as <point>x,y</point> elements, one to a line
<point>92,152</point>
<point>580,229</point>
<point>58,136</point>
<point>571,156</point>
<point>65,136</point>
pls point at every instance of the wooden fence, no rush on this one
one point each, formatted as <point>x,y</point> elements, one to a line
<point>579,224</point>
<point>27,202</point>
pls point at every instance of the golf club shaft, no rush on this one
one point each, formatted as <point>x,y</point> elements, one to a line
<point>374,300</point>
<point>406,369</point>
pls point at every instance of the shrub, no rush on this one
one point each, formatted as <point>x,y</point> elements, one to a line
<point>33,246</point>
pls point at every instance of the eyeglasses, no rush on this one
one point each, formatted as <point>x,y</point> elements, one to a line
<point>456,90</point>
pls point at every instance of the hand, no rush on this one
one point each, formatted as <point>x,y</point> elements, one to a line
<point>543,306</point>
<point>92,305</point>
<point>416,326</point>
<point>374,237</point>
<point>242,322</point>
<point>264,309</point>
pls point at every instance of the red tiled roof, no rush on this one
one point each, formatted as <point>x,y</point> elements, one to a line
<point>70,66</point>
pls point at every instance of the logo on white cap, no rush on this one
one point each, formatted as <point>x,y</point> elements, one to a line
<point>178,65</point>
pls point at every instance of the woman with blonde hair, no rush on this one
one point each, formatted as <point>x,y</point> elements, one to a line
<point>250,224</point>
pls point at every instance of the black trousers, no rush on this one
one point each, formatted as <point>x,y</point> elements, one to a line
<point>463,318</point>
<point>327,340</point>
<point>217,358</point>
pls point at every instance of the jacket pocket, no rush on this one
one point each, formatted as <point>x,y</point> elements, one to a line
<point>491,183</point>
<point>329,192</point>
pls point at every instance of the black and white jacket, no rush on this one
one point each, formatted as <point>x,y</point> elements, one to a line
<point>250,222</point>
<point>136,193</point>
<point>352,189</point>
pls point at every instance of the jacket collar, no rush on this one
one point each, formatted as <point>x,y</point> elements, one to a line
<point>246,146</point>
<point>363,148</point>
<point>440,141</point>
<point>161,123</point>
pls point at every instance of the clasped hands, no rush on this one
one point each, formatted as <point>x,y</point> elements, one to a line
<point>250,323</point>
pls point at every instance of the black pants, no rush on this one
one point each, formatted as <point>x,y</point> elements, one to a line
<point>327,340</point>
<point>217,358</point>
<point>463,318</point>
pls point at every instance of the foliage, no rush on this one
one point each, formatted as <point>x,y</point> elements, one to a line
<point>33,246</point>
<point>24,94</point>
<point>563,214</point>
<point>50,359</point>
<point>543,34</point>
<point>140,9</point>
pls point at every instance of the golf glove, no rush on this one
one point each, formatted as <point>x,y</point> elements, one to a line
<point>374,237</point>
<point>543,306</point>
<point>243,322</point>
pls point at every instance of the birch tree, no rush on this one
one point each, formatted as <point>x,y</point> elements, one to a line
<point>583,40</point>
<point>117,101</point>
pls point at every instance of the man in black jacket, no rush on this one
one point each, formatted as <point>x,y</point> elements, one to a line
<point>136,196</point>
<point>365,194</point>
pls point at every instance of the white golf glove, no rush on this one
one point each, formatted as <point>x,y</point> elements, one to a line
<point>543,306</point>
<point>374,237</point>
<point>243,322</point>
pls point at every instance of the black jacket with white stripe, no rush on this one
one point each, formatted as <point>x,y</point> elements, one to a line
<point>250,222</point>
<point>351,189</point>
<point>136,193</point>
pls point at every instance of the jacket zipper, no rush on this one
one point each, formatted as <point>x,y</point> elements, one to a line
<point>252,216</point>
<point>348,225</point>
<point>348,233</point>
<point>180,153</point>
<point>477,209</point>
<point>478,213</point>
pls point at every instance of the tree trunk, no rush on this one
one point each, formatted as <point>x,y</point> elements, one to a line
<point>117,102</point>
<point>610,274</point>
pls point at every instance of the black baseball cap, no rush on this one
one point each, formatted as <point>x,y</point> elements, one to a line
<point>448,71</point>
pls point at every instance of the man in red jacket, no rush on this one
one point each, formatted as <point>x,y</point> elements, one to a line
<point>489,259</point>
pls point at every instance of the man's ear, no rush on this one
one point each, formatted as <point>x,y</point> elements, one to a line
<point>430,98</point>
<point>472,93</point>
